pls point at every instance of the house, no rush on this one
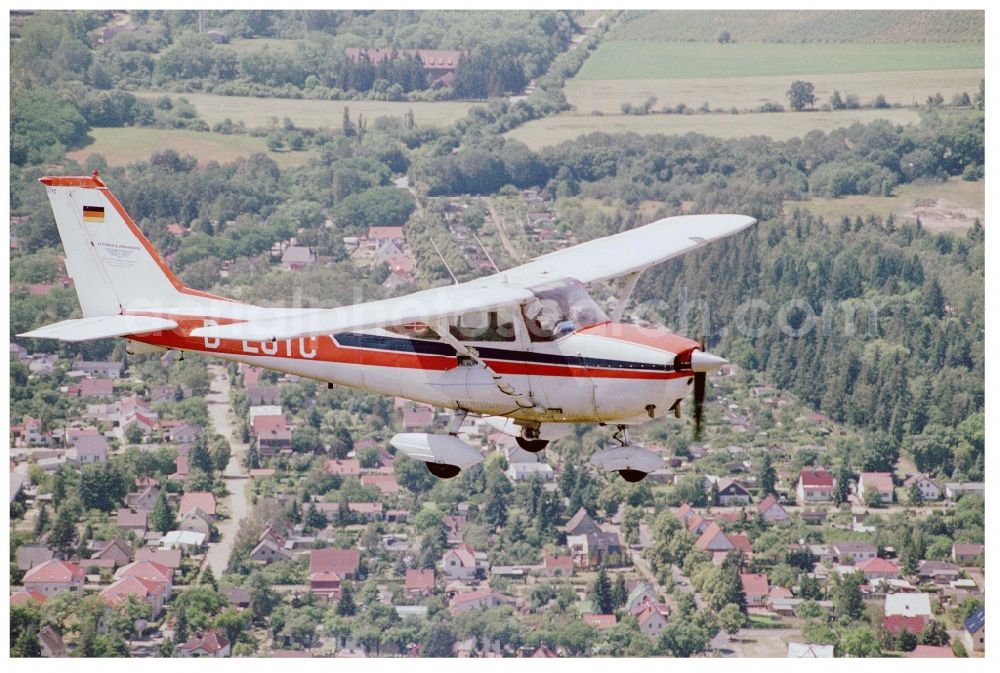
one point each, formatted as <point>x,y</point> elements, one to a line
<point>329,567</point>
<point>714,540</point>
<point>110,370</point>
<point>26,598</point>
<point>30,555</point>
<point>440,64</point>
<point>89,449</point>
<point>482,599</point>
<point>188,541</point>
<point>932,652</point>
<point>419,582</point>
<point>908,605</point>
<point>52,643</point>
<point>153,593</point>
<point>237,597</point>
<point>594,549</point>
<point>518,472</point>
<point>771,510</point>
<point>581,524</point>
<point>955,490</point>
<point>116,553</point>
<point>272,434</point>
<point>181,470</point>
<point>854,552</point>
<point>730,491</point>
<point>929,489</point>
<point>380,235</point>
<point>879,568</point>
<point>367,511</point>
<point>966,553</point>
<point>206,644</point>
<point>652,619</point>
<point>196,521</point>
<point>53,577</point>
<point>814,486</point>
<point>261,395</point>
<point>543,652</point>
<point>348,467</point>
<point>168,558</point>
<point>553,566</point>
<point>203,500</point>
<point>385,483</point>
<point>938,571</point>
<point>809,651</point>
<point>974,631</point>
<point>464,563</point>
<point>145,498</point>
<point>877,482</point>
<point>756,588</point>
<point>268,551</point>
<point>296,258</point>
<point>150,571</point>
<point>600,622</point>
<point>417,417</point>
<point>186,433</point>
<point>103,388</point>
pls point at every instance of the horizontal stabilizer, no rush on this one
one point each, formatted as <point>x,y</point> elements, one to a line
<point>100,327</point>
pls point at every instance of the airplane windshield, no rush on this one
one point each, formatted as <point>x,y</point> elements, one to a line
<point>560,308</point>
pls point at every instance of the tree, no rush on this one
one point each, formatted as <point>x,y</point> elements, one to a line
<point>600,593</point>
<point>848,603</point>
<point>768,476</point>
<point>731,618</point>
<point>801,94</point>
<point>263,598</point>
<point>134,434</point>
<point>620,593</point>
<point>842,489</point>
<point>683,639</point>
<point>915,495</point>
<point>935,633</point>
<point>345,605</point>
<point>63,531</point>
<point>438,640</point>
<point>42,520</point>
<point>836,102</point>
<point>860,642</point>
<point>723,37</point>
<point>161,518</point>
<point>232,623</point>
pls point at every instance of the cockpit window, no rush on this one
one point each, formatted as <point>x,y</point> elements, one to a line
<point>484,326</point>
<point>560,308</point>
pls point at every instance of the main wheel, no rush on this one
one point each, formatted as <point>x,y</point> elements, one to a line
<point>531,445</point>
<point>443,471</point>
<point>632,476</point>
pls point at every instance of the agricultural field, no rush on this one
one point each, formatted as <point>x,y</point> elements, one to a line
<point>803,26</point>
<point>121,146</point>
<point>778,125</point>
<point>244,46</point>
<point>899,88</point>
<point>314,113</point>
<point>951,205</point>
<point>687,60</point>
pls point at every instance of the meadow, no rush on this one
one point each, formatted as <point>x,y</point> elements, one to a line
<point>633,59</point>
<point>121,146</point>
<point>803,26</point>
<point>314,113</point>
<point>954,204</point>
<point>780,126</point>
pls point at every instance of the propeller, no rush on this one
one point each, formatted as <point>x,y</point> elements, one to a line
<point>701,363</point>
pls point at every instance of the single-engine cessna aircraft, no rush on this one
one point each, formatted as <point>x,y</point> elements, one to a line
<point>527,347</point>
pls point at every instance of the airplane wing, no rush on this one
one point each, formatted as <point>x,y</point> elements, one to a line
<point>100,327</point>
<point>630,251</point>
<point>609,257</point>
<point>482,294</point>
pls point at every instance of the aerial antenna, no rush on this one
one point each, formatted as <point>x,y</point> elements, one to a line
<point>486,252</point>
<point>450,273</point>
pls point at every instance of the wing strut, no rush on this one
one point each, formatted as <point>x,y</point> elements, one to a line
<point>622,301</point>
<point>522,400</point>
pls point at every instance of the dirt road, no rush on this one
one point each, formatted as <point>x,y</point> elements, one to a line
<point>221,413</point>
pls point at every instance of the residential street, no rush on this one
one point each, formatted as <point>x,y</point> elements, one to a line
<point>221,413</point>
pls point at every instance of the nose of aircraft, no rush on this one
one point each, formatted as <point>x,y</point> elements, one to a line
<point>706,362</point>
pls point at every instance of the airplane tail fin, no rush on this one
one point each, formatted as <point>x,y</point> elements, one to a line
<point>113,266</point>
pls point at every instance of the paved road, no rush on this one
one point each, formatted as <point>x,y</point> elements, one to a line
<point>502,232</point>
<point>221,413</point>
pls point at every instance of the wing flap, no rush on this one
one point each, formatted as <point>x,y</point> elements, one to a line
<point>425,306</point>
<point>100,327</point>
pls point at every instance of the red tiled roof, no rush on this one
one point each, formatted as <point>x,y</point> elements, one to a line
<point>348,466</point>
<point>754,584</point>
<point>269,424</point>
<point>878,565</point>
<point>601,621</point>
<point>203,500</point>
<point>557,562</point>
<point>55,571</point>
<point>342,561</point>
<point>385,233</point>
<point>419,578</point>
<point>899,623</point>
<point>880,481</point>
<point>931,652</point>
<point>131,586</point>
<point>23,597</point>
<point>741,542</point>
<point>131,518</point>
<point>147,570</point>
<point>208,641</point>
<point>816,478</point>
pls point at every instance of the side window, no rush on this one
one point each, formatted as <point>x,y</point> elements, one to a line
<point>484,326</point>
<point>413,330</point>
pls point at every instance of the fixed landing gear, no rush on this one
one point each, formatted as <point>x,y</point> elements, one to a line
<point>632,462</point>
<point>531,445</point>
<point>443,471</point>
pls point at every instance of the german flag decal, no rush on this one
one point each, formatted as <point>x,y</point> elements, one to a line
<point>93,214</point>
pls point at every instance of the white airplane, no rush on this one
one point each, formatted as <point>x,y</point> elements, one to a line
<point>527,347</point>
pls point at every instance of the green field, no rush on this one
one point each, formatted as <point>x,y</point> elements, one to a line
<point>954,204</point>
<point>314,113</point>
<point>903,88</point>
<point>124,145</point>
<point>803,26</point>
<point>627,59</point>
<point>780,126</point>
<point>243,46</point>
